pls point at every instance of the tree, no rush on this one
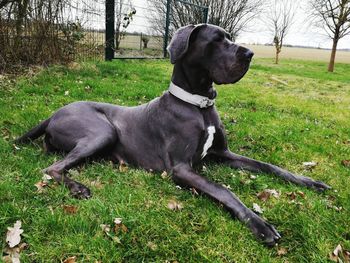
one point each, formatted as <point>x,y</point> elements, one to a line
<point>279,18</point>
<point>334,17</point>
<point>232,15</point>
<point>124,14</point>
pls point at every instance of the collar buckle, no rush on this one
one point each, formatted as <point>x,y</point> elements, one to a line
<point>205,103</point>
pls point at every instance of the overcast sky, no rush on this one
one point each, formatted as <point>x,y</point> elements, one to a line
<point>301,32</point>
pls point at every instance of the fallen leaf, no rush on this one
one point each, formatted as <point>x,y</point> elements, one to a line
<point>194,191</point>
<point>70,260</point>
<point>96,184</point>
<point>16,147</point>
<point>346,163</point>
<point>46,178</point>
<point>123,167</point>
<point>119,225</point>
<point>66,93</point>
<point>281,251</point>
<point>152,246</point>
<point>291,195</point>
<point>164,175</point>
<point>40,186</point>
<point>265,195</point>
<point>70,209</point>
<point>334,256</point>
<point>105,228</point>
<point>13,236</point>
<point>302,194</point>
<point>309,165</point>
<point>174,205</point>
<point>257,208</point>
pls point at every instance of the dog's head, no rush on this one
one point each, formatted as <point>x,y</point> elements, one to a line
<point>210,48</point>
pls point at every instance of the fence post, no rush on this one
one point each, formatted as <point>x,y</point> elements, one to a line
<point>167,24</point>
<point>109,35</point>
<point>205,14</point>
<point>141,41</point>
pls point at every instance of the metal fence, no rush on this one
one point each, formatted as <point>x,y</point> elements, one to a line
<point>54,31</point>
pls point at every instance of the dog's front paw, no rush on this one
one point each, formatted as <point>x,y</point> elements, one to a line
<point>79,191</point>
<point>263,230</point>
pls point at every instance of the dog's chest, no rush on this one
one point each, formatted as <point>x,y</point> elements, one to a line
<point>208,142</point>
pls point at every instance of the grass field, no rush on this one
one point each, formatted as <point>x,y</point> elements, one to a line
<point>288,114</point>
<point>299,53</point>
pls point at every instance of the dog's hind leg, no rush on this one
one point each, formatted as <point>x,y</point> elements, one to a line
<point>242,162</point>
<point>184,175</point>
<point>86,147</point>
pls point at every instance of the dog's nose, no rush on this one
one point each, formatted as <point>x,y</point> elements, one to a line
<point>249,54</point>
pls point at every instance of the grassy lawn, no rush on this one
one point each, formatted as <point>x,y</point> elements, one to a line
<point>288,114</point>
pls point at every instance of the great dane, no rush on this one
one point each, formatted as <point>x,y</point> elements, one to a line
<point>171,133</point>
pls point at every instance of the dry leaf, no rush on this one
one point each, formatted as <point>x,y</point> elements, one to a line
<point>257,208</point>
<point>13,254</point>
<point>164,175</point>
<point>123,167</point>
<point>334,256</point>
<point>70,209</point>
<point>291,195</point>
<point>96,184</point>
<point>46,178</point>
<point>194,191</point>
<point>119,225</point>
<point>105,228</point>
<point>174,205</point>
<point>152,246</point>
<point>281,251</point>
<point>346,163</point>
<point>302,194</point>
<point>70,260</point>
<point>309,165</point>
<point>117,221</point>
<point>13,236</point>
<point>66,93</point>
<point>16,147</point>
<point>265,195</point>
<point>40,186</point>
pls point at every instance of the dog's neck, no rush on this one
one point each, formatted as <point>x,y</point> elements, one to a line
<point>193,80</point>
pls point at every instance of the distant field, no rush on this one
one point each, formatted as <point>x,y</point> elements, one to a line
<point>134,42</point>
<point>299,53</point>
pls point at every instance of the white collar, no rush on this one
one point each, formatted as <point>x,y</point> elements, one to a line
<point>194,99</point>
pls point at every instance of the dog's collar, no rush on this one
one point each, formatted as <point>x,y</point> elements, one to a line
<point>194,99</point>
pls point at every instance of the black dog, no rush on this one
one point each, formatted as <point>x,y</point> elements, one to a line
<point>172,132</point>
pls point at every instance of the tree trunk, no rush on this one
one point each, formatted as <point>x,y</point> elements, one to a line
<point>334,50</point>
<point>277,56</point>
<point>117,39</point>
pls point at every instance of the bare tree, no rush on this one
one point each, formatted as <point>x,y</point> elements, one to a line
<point>279,17</point>
<point>334,17</point>
<point>232,15</point>
<point>124,13</point>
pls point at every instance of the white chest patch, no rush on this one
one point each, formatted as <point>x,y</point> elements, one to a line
<point>209,142</point>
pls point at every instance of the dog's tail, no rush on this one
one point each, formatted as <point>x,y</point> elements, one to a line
<point>34,133</point>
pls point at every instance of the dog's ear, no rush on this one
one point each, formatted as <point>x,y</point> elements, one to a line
<point>180,42</point>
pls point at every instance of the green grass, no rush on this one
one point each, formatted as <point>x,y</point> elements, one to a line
<point>306,120</point>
